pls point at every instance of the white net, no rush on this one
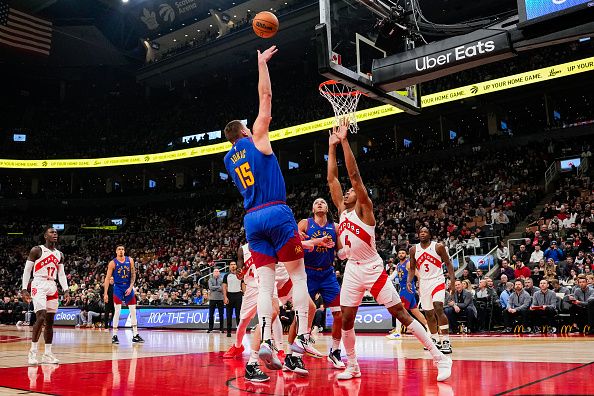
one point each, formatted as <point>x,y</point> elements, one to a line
<point>344,100</point>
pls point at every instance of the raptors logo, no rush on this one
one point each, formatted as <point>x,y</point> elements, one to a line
<point>33,291</point>
<point>298,249</point>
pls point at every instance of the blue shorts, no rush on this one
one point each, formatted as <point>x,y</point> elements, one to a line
<point>409,300</point>
<point>119,295</point>
<point>272,235</point>
<point>325,283</point>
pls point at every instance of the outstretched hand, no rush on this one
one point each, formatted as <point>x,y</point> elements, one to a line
<point>334,139</point>
<point>342,128</point>
<point>266,55</point>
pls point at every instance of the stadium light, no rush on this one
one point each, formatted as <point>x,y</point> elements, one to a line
<point>125,1</point>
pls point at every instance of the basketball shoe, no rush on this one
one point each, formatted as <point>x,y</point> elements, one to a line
<point>137,339</point>
<point>295,364</point>
<point>335,359</point>
<point>254,374</point>
<point>49,358</point>
<point>304,344</point>
<point>33,358</point>
<point>352,371</point>
<point>234,352</point>
<point>268,355</point>
<point>444,368</point>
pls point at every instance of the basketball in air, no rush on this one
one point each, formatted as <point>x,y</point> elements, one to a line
<point>265,24</point>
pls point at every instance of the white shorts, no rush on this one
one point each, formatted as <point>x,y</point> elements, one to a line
<point>249,303</point>
<point>371,276</point>
<point>430,291</point>
<point>44,294</point>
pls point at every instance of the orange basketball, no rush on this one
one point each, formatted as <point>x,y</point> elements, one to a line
<point>265,24</point>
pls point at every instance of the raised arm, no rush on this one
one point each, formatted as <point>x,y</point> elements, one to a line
<point>445,258</point>
<point>110,268</point>
<point>333,183</point>
<point>260,129</point>
<point>364,206</point>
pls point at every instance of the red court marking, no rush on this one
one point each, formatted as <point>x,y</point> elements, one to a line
<point>4,339</point>
<point>207,373</point>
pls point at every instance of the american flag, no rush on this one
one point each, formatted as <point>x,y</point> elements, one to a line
<point>24,31</point>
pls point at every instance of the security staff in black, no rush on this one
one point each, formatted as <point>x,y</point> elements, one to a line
<point>233,293</point>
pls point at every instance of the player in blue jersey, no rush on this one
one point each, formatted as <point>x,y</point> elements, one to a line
<point>269,224</point>
<point>408,297</point>
<point>124,275</point>
<point>319,266</point>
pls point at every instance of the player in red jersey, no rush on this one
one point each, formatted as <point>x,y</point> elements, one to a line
<point>365,268</point>
<point>47,263</point>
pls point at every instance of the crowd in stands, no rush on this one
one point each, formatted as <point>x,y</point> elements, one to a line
<point>483,194</point>
<point>546,281</point>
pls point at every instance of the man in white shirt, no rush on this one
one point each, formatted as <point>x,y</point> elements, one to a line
<point>473,244</point>
<point>536,256</point>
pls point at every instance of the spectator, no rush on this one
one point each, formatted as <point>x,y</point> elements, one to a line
<point>521,272</point>
<point>558,288</point>
<point>544,308</point>
<point>459,305</point>
<point>144,300</point>
<point>94,310</point>
<point>215,285</point>
<point>468,287</point>
<point>473,245</point>
<point>529,287</point>
<point>582,310</point>
<point>502,284</point>
<point>523,255</point>
<point>517,307</point>
<point>550,272</point>
<point>504,297</point>
<point>467,275</point>
<point>484,300</point>
<point>502,252</point>
<point>506,270</point>
<point>554,252</point>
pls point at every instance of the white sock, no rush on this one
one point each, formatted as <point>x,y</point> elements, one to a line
<point>418,331</point>
<point>133,319</point>
<point>34,346</point>
<point>277,333</point>
<point>335,344</point>
<point>253,357</point>
<point>445,330</point>
<point>266,276</point>
<point>48,349</point>
<point>398,327</point>
<point>349,340</point>
<point>115,322</point>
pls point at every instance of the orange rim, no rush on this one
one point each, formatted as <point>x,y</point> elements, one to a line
<point>325,84</point>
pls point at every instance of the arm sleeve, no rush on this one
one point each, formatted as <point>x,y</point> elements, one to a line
<point>62,277</point>
<point>225,278</point>
<point>27,274</point>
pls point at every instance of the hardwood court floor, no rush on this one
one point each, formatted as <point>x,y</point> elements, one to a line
<point>189,362</point>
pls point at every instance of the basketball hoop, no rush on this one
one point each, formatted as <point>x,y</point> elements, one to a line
<point>344,100</point>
